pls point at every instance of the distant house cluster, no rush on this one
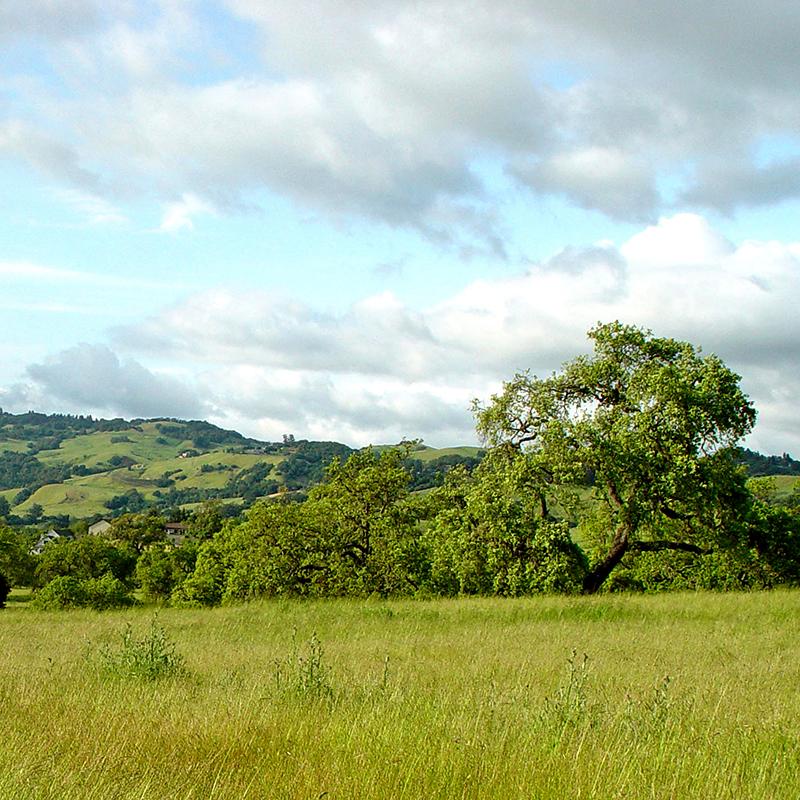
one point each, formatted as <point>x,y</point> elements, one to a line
<point>175,532</point>
<point>46,538</point>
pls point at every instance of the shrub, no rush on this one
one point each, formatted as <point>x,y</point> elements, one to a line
<point>107,592</point>
<point>150,657</point>
<point>64,591</point>
<point>67,591</point>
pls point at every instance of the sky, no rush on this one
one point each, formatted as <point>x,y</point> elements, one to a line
<point>347,220</point>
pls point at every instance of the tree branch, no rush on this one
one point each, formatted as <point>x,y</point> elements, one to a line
<point>658,545</point>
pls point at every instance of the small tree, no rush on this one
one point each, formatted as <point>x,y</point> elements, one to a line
<point>650,423</point>
<point>368,523</point>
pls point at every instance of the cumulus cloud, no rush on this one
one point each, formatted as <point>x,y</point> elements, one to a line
<point>386,110</point>
<point>93,377</point>
<point>49,19</point>
<point>383,366</point>
<point>47,154</point>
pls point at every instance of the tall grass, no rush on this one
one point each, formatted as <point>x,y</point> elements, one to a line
<point>676,696</point>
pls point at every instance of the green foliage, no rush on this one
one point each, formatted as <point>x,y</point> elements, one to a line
<point>491,537</point>
<point>149,657</point>
<point>25,470</point>
<point>758,464</point>
<point>762,551</point>
<point>16,561</point>
<point>355,535</point>
<point>306,461</point>
<point>138,531</point>
<point>131,501</point>
<point>84,558</point>
<point>67,591</point>
<point>107,592</point>
<point>160,570</point>
<point>206,584</point>
<point>369,524</point>
<point>208,520</point>
<point>430,473</point>
<point>251,484</point>
<point>279,550</point>
<point>62,592</point>
<point>651,422</point>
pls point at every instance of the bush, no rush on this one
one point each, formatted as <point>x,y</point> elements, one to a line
<point>64,591</point>
<point>67,591</point>
<point>84,558</point>
<point>107,592</point>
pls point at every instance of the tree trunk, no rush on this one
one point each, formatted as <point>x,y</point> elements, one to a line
<point>597,576</point>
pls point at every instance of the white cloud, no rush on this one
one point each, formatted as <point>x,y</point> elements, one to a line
<point>382,110</point>
<point>178,216</point>
<point>25,271</point>
<point>92,378</point>
<point>382,365</point>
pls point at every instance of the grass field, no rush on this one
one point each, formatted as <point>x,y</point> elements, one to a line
<point>677,696</point>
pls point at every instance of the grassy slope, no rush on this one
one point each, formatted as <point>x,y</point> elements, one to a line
<point>85,496</point>
<point>785,484</point>
<point>432,453</point>
<point>442,699</point>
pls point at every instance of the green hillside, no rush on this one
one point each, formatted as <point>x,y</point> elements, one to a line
<point>60,466</point>
<point>66,467</point>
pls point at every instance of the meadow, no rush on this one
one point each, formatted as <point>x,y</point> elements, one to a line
<point>672,696</point>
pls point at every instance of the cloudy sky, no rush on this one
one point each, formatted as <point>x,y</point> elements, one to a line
<point>346,219</point>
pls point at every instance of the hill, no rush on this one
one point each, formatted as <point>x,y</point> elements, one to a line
<point>61,467</point>
<point>65,467</point>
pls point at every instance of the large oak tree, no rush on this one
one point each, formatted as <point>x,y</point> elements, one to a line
<point>649,422</point>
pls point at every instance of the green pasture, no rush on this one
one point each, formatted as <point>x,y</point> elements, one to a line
<point>785,484</point>
<point>190,468</point>
<point>14,445</point>
<point>97,448</point>
<point>425,453</point>
<point>432,453</point>
<point>85,496</point>
<point>692,696</point>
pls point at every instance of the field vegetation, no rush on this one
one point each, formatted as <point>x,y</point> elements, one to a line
<point>640,697</point>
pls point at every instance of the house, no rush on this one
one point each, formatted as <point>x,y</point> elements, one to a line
<point>176,532</point>
<point>45,539</point>
<point>99,527</point>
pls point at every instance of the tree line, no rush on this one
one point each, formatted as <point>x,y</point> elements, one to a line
<point>621,471</point>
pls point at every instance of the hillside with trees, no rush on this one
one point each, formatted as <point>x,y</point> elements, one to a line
<point>622,471</point>
<point>58,468</point>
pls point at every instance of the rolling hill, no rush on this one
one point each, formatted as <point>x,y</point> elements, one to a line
<point>63,466</point>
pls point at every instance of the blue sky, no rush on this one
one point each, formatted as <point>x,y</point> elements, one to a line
<point>347,220</point>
